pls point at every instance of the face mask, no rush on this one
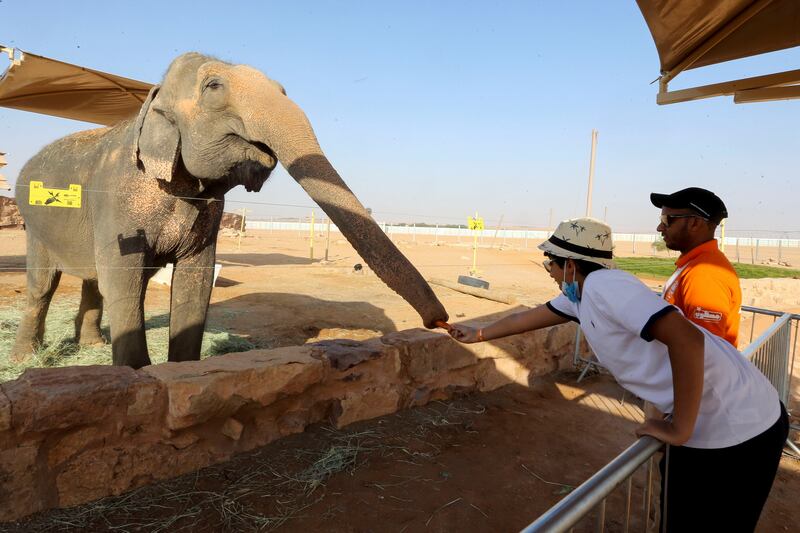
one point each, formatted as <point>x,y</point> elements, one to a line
<point>571,289</point>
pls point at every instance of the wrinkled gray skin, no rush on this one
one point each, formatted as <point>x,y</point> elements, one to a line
<point>209,127</point>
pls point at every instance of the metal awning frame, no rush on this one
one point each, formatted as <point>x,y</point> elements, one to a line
<point>11,53</point>
<point>779,86</point>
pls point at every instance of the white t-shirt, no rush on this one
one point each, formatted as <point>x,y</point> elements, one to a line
<point>615,313</point>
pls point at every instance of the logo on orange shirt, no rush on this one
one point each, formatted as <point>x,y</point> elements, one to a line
<point>708,316</point>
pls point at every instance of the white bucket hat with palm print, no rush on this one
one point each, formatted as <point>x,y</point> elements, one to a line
<point>587,239</point>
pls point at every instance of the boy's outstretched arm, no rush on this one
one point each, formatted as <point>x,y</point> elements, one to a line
<point>529,320</point>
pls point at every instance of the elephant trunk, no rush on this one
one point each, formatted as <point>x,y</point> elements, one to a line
<point>289,134</point>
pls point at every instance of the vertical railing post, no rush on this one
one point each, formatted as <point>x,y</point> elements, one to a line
<point>629,492</point>
<point>601,517</point>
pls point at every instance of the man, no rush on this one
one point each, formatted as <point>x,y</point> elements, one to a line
<point>704,285</point>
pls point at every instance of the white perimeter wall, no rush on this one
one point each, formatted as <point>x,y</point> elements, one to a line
<point>507,233</point>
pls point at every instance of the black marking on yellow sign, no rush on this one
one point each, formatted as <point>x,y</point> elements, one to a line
<point>50,197</point>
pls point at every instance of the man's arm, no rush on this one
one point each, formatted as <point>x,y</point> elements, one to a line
<point>686,346</point>
<point>531,319</point>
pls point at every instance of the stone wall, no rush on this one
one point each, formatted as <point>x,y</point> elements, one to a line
<point>73,435</point>
<point>9,213</point>
<point>232,221</point>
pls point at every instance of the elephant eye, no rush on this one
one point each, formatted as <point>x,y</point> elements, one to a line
<point>213,84</point>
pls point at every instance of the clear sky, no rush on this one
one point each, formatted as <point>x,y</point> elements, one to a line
<point>433,110</point>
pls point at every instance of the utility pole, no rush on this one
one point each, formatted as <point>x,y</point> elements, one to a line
<point>496,229</point>
<point>591,174</point>
<point>3,183</point>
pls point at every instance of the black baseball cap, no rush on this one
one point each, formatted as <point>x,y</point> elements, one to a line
<point>703,202</point>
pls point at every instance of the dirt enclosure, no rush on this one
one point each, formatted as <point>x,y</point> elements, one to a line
<point>485,462</point>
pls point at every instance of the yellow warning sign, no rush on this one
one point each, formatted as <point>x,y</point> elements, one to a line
<point>45,196</point>
<point>475,223</point>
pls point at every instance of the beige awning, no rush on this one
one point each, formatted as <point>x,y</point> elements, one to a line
<point>696,33</point>
<point>44,85</point>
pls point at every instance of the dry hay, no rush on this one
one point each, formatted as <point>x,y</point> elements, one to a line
<point>60,349</point>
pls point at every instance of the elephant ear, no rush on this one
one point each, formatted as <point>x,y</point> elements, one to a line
<point>158,140</point>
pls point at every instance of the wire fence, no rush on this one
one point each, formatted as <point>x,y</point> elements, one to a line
<point>738,246</point>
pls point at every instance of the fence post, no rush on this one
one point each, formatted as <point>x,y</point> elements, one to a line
<point>436,236</point>
<point>780,250</point>
<point>737,250</point>
<point>327,238</point>
<point>634,244</point>
<point>758,241</point>
<point>241,229</point>
<point>311,237</point>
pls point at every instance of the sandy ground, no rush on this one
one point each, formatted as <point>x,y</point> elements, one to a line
<point>474,480</point>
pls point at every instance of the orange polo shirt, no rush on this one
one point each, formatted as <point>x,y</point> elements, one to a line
<point>706,288</point>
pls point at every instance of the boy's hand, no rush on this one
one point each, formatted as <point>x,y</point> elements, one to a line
<point>464,334</point>
<point>659,429</point>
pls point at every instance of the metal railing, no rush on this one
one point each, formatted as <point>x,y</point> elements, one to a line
<point>594,491</point>
<point>773,352</point>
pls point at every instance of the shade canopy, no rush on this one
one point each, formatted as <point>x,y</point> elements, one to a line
<point>696,33</point>
<point>43,85</point>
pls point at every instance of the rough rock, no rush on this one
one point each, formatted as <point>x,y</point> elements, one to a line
<point>343,353</point>
<point>149,398</point>
<point>89,476</point>
<point>183,440</point>
<point>232,429</point>
<point>112,470</point>
<point>44,399</point>
<point>9,214</point>
<point>232,221</point>
<point>218,386</point>
<point>370,362</point>
<point>20,492</point>
<point>426,354</point>
<point>371,403</point>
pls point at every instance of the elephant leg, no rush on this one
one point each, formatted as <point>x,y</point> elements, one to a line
<point>90,313</point>
<point>123,296</point>
<point>42,281</point>
<point>192,282</point>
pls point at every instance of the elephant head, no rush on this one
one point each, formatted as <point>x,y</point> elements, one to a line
<point>230,124</point>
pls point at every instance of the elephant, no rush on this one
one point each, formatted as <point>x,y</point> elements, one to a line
<point>153,192</point>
